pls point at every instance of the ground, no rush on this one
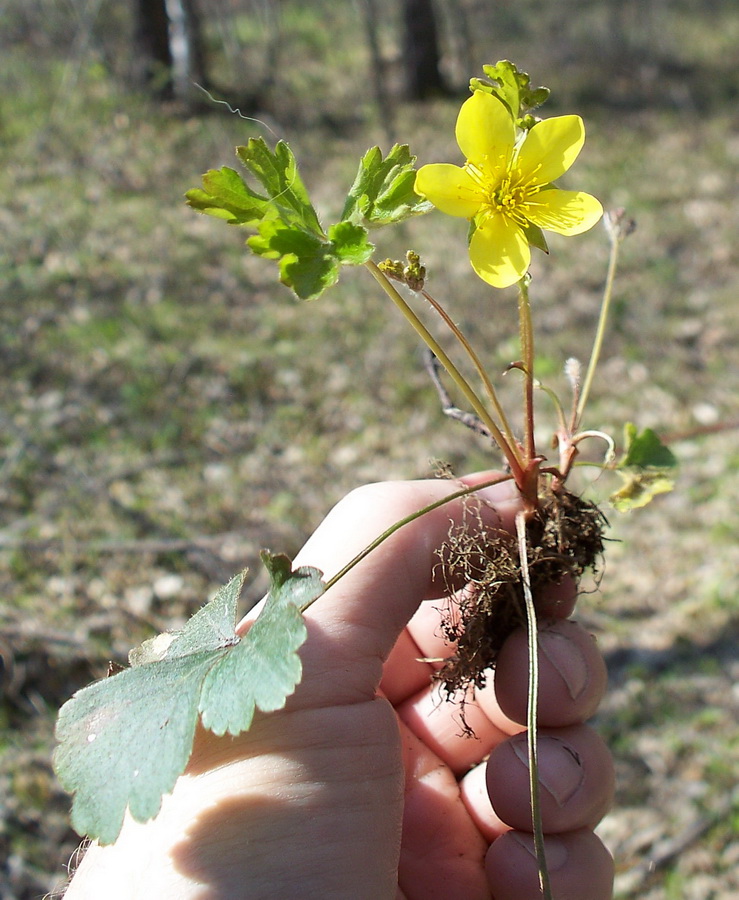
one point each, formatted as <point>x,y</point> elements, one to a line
<point>168,410</point>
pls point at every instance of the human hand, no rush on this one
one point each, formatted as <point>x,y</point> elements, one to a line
<point>354,793</point>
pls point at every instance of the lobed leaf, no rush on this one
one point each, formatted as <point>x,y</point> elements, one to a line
<point>513,88</point>
<point>350,243</point>
<point>382,192</point>
<point>124,740</point>
<point>307,264</point>
<point>227,196</point>
<point>277,172</point>
<point>265,664</point>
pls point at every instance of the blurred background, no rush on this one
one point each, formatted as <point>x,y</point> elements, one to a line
<point>167,409</point>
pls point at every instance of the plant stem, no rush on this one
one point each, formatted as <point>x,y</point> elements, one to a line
<point>531,709</point>
<point>600,331</point>
<point>526,337</point>
<point>454,373</point>
<point>462,492</point>
<point>479,368</point>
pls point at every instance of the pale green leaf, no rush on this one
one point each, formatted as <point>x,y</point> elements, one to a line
<point>640,487</point>
<point>124,740</point>
<point>265,664</point>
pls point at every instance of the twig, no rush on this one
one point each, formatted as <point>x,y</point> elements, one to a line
<point>469,419</point>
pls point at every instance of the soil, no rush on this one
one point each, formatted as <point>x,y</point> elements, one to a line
<point>565,536</point>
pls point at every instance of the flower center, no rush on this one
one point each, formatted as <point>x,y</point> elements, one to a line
<point>505,192</point>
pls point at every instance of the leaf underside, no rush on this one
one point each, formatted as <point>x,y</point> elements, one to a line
<point>124,740</point>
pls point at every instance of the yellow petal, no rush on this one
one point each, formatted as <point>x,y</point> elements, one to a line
<point>550,148</point>
<point>499,251</point>
<point>485,131</point>
<point>450,188</point>
<point>565,212</point>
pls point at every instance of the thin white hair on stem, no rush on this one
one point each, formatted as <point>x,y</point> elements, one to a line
<point>236,111</point>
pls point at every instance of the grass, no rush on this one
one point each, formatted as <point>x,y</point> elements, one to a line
<point>168,410</point>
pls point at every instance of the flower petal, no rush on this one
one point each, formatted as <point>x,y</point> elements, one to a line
<point>450,188</point>
<point>565,212</point>
<point>499,251</point>
<point>485,131</point>
<point>550,148</point>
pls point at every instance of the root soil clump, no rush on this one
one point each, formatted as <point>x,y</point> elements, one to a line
<point>564,537</point>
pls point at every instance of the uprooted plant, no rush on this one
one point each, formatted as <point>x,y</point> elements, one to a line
<point>506,190</point>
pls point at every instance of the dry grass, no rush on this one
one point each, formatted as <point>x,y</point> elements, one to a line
<point>167,410</point>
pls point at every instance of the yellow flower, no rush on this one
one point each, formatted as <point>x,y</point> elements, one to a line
<point>505,186</point>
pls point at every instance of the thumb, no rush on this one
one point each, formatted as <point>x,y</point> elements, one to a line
<point>353,627</point>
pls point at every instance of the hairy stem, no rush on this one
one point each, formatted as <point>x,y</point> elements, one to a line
<point>600,331</point>
<point>462,492</point>
<point>454,373</point>
<point>526,337</point>
<point>480,369</point>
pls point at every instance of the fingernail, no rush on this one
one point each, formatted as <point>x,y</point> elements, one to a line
<point>555,850</point>
<point>560,771</point>
<point>568,659</point>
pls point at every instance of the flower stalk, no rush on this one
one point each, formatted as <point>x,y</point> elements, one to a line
<point>526,337</point>
<point>477,405</point>
<point>616,233</point>
<point>481,371</point>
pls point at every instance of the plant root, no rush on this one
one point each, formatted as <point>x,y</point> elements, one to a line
<point>564,537</point>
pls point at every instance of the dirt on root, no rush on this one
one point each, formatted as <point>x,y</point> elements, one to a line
<point>564,537</point>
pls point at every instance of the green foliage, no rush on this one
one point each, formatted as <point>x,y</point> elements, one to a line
<point>382,193</point>
<point>307,264</point>
<point>124,741</point>
<point>646,469</point>
<point>513,88</point>
<point>350,243</point>
<point>644,449</point>
<point>226,196</point>
<point>278,173</point>
<point>287,226</point>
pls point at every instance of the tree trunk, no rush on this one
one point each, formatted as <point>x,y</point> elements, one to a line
<point>421,50</point>
<point>152,58</point>
<point>169,58</point>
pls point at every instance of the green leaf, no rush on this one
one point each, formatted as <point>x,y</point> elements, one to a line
<point>125,740</point>
<point>278,174</point>
<point>265,664</point>
<point>513,88</point>
<point>382,193</point>
<point>227,196</point>
<point>350,243</point>
<point>308,265</point>
<point>644,448</point>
